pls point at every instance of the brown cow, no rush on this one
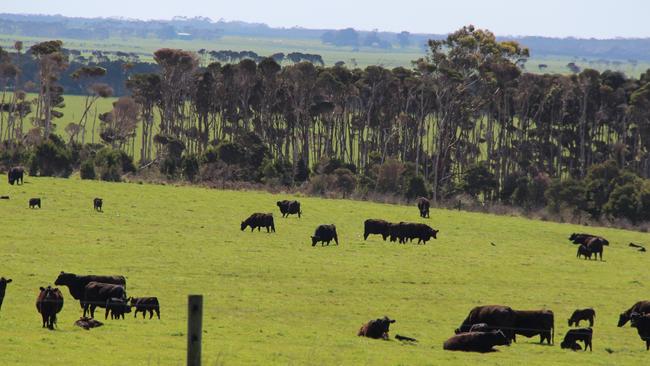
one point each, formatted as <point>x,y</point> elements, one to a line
<point>376,329</point>
<point>641,307</point>
<point>476,341</point>
<point>497,317</point>
<point>49,303</point>
<point>530,323</point>
<point>582,314</point>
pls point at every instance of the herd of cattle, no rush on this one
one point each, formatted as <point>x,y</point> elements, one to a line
<point>484,328</point>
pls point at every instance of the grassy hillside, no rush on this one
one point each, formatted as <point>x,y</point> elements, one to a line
<point>274,299</point>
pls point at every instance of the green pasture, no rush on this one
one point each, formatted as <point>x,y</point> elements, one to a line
<point>274,299</point>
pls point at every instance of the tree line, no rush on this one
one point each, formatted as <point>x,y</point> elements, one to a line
<point>465,120</point>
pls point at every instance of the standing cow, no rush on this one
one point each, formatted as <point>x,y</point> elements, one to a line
<point>117,307</point>
<point>640,307</point>
<point>325,234</point>
<point>582,314</point>
<point>97,204</point>
<point>497,317</point>
<point>3,288</point>
<point>15,175</point>
<point>77,284</point>
<point>289,208</point>
<point>423,206</point>
<point>530,323</point>
<point>642,324</point>
<point>373,226</point>
<point>96,294</point>
<point>258,221</point>
<point>144,305</point>
<point>34,202</point>
<point>49,303</point>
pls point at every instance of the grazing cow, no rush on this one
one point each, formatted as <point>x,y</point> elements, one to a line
<point>144,304</point>
<point>87,323</point>
<point>530,323</point>
<point>582,314</point>
<point>15,175</point>
<point>404,231</point>
<point>595,246</point>
<point>117,308</point>
<point>642,324</point>
<point>376,329</point>
<point>641,307</point>
<point>289,208</point>
<point>423,206</point>
<point>3,288</point>
<point>325,234</point>
<point>258,221</point>
<point>97,204</point>
<point>373,226</point>
<point>583,238</point>
<point>497,317</point>
<point>34,202</point>
<point>581,334</point>
<point>49,303</point>
<point>476,341</point>
<point>583,251</point>
<point>96,294</point>
<point>77,284</point>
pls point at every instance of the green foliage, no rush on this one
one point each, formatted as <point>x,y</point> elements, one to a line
<point>389,176</point>
<point>87,169</point>
<point>190,167</point>
<point>301,172</point>
<point>416,188</point>
<point>569,193</point>
<point>479,179</point>
<point>625,201</point>
<point>111,164</point>
<point>51,158</point>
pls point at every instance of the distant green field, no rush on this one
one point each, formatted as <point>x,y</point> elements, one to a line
<point>266,46</point>
<point>274,299</point>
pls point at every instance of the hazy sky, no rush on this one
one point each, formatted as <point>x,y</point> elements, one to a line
<point>560,18</point>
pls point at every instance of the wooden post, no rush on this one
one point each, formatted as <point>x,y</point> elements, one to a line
<point>194,329</point>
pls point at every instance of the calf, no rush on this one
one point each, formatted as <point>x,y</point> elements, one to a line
<point>325,234</point>
<point>642,324</point>
<point>476,341</point>
<point>581,334</point>
<point>582,314</point>
<point>423,206</point>
<point>373,226</point>
<point>117,308</point>
<point>34,202</point>
<point>640,307</point>
<point>87,323</point>
<point>49,303</point>
<point>144,305</point>
<point>3,288</point>
<point>97,204</point>
<point>289,208</point>
<point>258,221</point>
<point>583,251</point>
<point>496,317</point>
<point>530,323</point>
<point>376,329</point>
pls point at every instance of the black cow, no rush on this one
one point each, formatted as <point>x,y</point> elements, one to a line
<point>476,341</point>
<point>423,206</point>
<point>289,208</point>
<point>582,238</point>
<point>49,303</point>
<point>325,234</point>
<point>97,204</point>
<point>77,284</point>
<point>582,314</point>
<point>404,231</point>
<point>376,329</point>
<point>583,251</point>
<point>96,294</point>
<point>480,327</point>
<point>530,323</point>
<point>144,305</point>
<point>258,221</point>
<point>374,226</point>
<point>595,246</point>
<point>497,317</point>
<point>3,288</point>
<point>34,202</point>
<point>15,175</point>
<point>642,324</point>
<point>117,307</point>
<point>640,307</point>
<point>581,334</point>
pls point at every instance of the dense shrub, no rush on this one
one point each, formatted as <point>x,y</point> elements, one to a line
<point>190,166</point>
<point>478,179</point>
<point>416,188</point>
<point>389,176</point>
<point>87,169</point>
<point>51,158</point>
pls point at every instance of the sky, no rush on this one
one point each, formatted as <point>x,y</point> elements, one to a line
<point>554,18</point>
